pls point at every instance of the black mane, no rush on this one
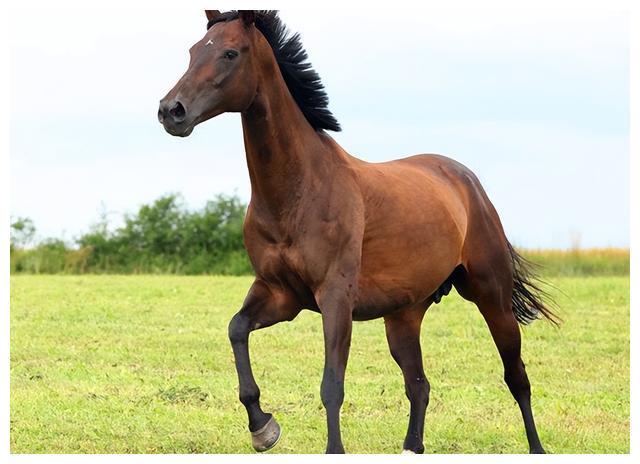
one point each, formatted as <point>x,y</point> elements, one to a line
<point>301,79</point>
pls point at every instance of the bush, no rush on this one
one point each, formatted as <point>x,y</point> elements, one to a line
<point>50,257</point>
<point>165,237</point>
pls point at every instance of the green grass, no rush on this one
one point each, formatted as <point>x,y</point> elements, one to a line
<point>141,364</point>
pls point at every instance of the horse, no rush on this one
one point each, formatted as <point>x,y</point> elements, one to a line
<point>349,239</point>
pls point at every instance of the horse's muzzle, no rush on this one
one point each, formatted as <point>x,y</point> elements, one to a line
<point>172,115</point>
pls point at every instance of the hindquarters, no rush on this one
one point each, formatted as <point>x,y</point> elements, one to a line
<point>491,269</point>
<point>430,224</point>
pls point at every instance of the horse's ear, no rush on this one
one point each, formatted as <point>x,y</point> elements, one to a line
<point>212,14</point>
<point>247,16</point>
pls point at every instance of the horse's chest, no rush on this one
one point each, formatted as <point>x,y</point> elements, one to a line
<point>279,261</point>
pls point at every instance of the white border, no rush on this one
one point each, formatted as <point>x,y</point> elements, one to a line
<point>5,87</point>
<point>395,10</point>
<point>634,217</point>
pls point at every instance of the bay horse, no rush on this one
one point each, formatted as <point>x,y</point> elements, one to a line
<point>349,239</point>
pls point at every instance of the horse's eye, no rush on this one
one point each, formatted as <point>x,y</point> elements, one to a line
<point>230,54</point>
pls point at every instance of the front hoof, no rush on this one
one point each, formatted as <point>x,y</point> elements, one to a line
<point>266,437</point>
<point>412,447</point>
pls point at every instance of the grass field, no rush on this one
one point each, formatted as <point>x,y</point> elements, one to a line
<point>141,364</point>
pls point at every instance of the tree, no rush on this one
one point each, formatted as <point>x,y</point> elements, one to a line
<point>22,232</point>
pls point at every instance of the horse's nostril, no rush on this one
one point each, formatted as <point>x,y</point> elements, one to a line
<point>178,112</point>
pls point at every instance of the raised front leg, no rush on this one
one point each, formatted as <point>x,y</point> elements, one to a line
<point>262,307</point>
<point>336,324</point>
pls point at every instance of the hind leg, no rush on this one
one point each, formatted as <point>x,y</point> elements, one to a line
<point>403,335</point>
<point>506,335</point>
<point>494,302</point>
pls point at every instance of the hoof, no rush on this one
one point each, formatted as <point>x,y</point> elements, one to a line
<point>408,452</point>
<point>267,437</point>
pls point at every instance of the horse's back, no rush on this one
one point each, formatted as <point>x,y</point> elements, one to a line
<point>434,184</point>
<point>463,181</point>
<point>442,167</point>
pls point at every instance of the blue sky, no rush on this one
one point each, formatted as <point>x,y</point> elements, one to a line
<point>536,102</point>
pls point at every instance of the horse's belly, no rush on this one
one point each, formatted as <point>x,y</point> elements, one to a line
<point>387,292</point>
<point>407,265</point>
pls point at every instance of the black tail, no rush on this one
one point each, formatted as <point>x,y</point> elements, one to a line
<point>528,300</point>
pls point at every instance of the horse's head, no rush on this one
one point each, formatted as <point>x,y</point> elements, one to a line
<point>221,76</point>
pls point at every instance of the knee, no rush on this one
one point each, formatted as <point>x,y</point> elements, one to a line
<point>238,329</point>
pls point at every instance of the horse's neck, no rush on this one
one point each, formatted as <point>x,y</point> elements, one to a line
<point>283,150</point>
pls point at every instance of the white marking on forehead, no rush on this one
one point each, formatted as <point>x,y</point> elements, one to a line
<point>209,42</point>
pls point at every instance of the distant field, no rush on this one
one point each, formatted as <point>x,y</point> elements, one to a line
<point>581,262</point>
<point>56,259</point>
<point>141,364</point>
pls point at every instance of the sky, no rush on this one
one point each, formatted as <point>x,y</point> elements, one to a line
<point>535,102</point>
